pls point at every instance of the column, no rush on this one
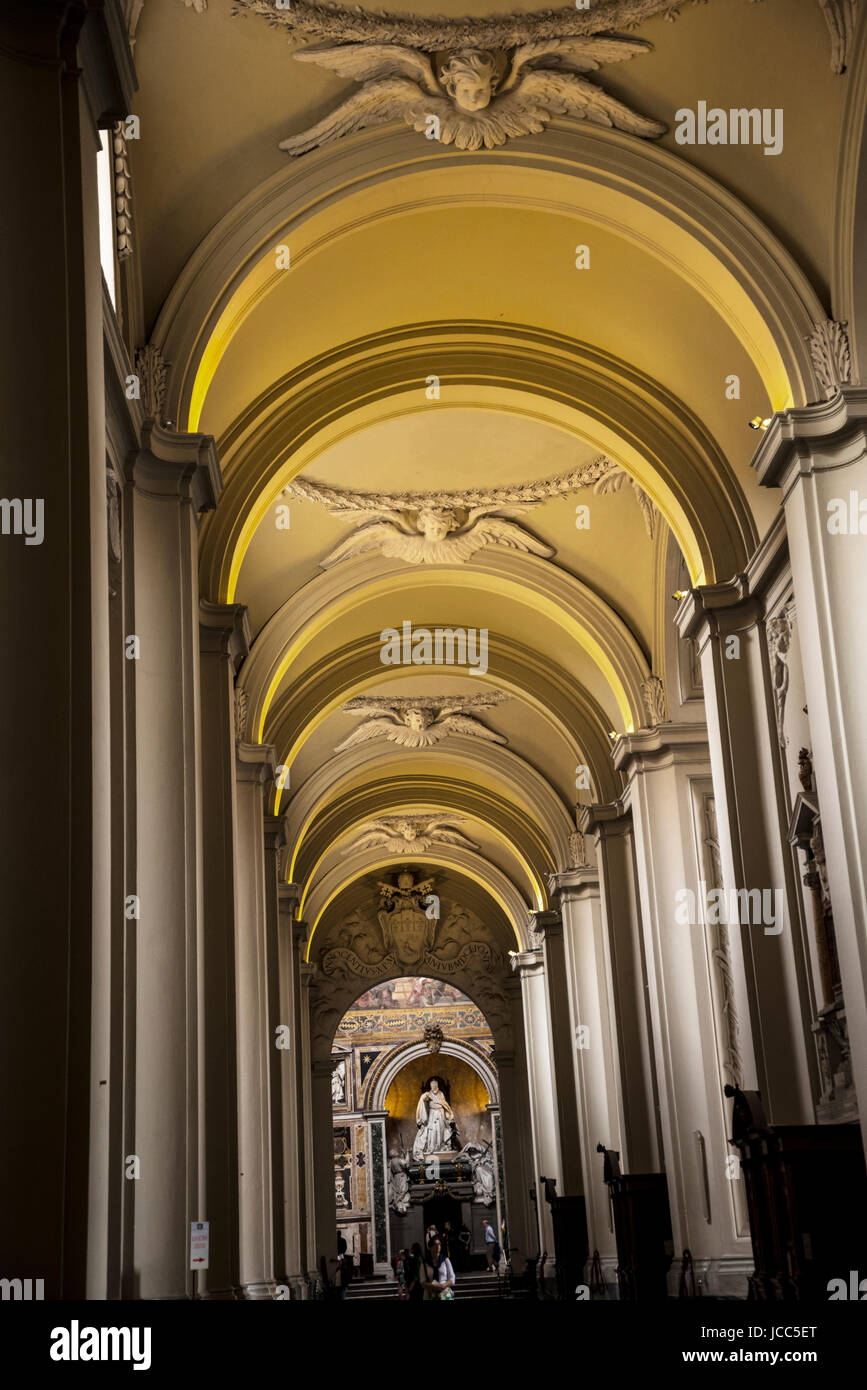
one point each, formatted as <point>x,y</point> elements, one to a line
<point>499,1176</point>
<point>530,968</point>
<point>175,477</point>
<point>818,457</point>
<point>724,621</point>
<point>376,1148</point>
<point>282,1044</point>
<point>518,1160</point>
<point>64,71</point>
<point>635,1095</point>
<point>594,1076</point>
<point>224,636</point>
<point>294,1258</point>
<point>548,928</point>
<point>254,769</point>
<point>663,766</point>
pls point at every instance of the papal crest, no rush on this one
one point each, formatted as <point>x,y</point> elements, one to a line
<point>407,931</point>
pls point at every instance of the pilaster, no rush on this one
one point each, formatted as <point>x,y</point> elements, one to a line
<point>817,456</point>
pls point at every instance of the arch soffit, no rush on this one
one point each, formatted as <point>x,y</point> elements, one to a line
<point>619,410</point>
<point>527,580</point>
<point>727,253</point>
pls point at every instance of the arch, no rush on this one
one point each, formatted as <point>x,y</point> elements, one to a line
<point>620,410</point>
<point>526,783</point>
<point>583,616</point>
<point>355,668</point>
<point>486,877</point>
<point>643,192</point>
<point>511,827</point>
<point>380,1078</point>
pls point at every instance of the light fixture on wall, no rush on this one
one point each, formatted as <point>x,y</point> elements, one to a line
<point>680,594</point>
<point>757,423</point>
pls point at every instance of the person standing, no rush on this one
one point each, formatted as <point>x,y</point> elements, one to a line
<point>415,1274</point>
<point>490,1245</point>
<point>442,1283</point>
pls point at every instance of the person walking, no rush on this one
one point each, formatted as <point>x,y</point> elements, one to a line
<point>442,1285</point>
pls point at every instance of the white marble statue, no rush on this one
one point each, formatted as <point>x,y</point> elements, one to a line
<point>398,1182</point>
<point>481,1160</point>
<point>433,1115</point>
<point>338,1084</point>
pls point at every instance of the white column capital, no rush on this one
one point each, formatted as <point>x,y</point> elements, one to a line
<point>177,465</point>
<point>812,438</point>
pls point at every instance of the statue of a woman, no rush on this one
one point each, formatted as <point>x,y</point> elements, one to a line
<point>433,1115</point>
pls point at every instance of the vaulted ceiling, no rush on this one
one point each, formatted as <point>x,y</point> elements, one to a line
<point>406,262</point>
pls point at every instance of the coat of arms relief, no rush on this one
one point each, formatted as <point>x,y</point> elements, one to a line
<point>409,930</point>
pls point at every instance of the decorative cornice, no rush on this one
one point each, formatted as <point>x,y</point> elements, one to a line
<point>659,747</point>
<point>717,609</point>
<point>805,439</point>
<point>122,196</point>
<point>314,19</point>
<point>575,884</point>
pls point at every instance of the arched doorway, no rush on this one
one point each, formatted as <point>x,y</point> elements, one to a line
<point>398,1170</point>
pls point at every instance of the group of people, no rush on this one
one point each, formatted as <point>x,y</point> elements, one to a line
<point>427,1274</point>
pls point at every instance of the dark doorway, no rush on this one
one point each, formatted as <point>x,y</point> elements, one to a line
<point>438,1210</point>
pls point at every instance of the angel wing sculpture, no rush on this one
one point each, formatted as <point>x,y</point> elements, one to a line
<point>408,835</point>
<point>469,103</point>
<point>435,537</point>
<point>415,725</point>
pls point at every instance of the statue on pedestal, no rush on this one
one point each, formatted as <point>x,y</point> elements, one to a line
<point>433,1116</point>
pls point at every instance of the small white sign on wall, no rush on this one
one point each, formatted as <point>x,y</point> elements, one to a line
<point>199,1243</point>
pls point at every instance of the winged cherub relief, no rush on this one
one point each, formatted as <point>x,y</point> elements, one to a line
<point>426,528</point>
<point>419,723</point>
<point>409,835</point>
<point>478,97</point>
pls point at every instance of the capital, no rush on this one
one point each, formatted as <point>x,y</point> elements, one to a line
<point>717,610</point>
<point>809,439</point>
<point>177,465</point>
<point>255,762</point>
<point>664,746</point>
<point>224,629</point>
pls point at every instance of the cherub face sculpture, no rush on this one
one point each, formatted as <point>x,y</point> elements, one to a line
<point>470,79</point>
<point>417,719</point>
<point>435,524</point>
